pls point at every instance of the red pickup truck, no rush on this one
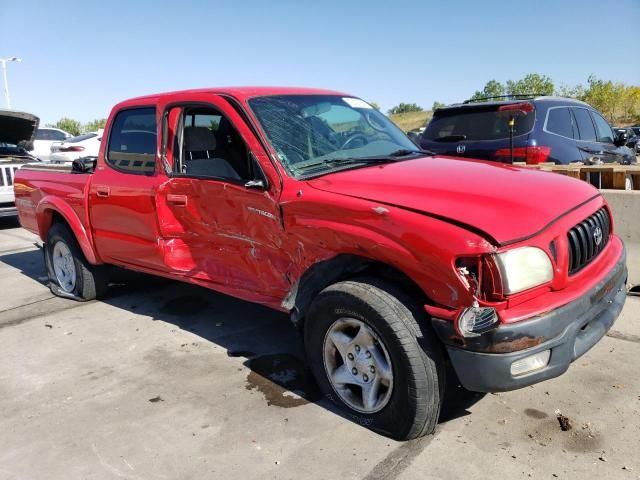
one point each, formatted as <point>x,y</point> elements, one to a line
<point>391,260</point>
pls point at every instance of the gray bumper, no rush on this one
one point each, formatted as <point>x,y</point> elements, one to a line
<point>8,211</point>
<point>574,329</point>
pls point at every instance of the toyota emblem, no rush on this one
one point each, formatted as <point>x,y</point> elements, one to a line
<point>597,235</point>
<point>460,148</point>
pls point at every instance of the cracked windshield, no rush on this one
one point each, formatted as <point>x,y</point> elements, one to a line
<point>319,133</point>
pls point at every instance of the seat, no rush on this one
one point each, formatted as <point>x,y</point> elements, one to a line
<point>200,155</point>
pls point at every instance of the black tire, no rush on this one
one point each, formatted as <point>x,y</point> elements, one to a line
<point>90,280</point>
<point>413,407</point>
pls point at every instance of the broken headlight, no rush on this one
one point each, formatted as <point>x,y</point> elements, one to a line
<point>523,268</point>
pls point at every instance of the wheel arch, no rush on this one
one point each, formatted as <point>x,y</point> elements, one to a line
<point>51,210</point>
<point>339,268</point>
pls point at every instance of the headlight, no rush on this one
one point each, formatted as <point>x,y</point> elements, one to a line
<point>524,268</point>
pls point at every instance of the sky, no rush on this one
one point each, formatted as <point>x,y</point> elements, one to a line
<point>80,58</point>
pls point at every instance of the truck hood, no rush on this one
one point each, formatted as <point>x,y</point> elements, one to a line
<point>17,128</point>
<point>505,203</point>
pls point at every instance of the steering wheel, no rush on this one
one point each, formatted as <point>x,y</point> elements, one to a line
<point>353,138</point>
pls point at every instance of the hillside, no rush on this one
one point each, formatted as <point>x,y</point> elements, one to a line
<point>412,120</point>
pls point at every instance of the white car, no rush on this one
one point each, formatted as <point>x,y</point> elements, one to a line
<point>85,145</point>
<point>45,137</point>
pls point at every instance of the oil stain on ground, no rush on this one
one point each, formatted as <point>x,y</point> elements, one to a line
<point>283,379</point>
<point>535,413</point>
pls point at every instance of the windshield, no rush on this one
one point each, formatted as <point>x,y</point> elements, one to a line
<point>320,133</point>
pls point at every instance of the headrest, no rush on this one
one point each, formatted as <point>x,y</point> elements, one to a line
<point>198,139</point>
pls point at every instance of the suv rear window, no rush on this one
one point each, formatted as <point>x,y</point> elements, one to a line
<point>475,124</point>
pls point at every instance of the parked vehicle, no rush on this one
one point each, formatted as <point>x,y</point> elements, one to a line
<point>17,130</point>
<point>87,144</point>
<point>633,138</point>
<point>45,137</point>
<point>525,129</point>
<point>313,203</point>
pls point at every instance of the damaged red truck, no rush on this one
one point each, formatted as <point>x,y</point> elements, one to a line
<point>390,260</point>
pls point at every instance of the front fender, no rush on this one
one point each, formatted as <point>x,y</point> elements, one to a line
<point>49,205</point>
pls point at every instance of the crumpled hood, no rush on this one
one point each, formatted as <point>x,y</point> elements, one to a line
<point>507,203</point>
<point>17,128</point>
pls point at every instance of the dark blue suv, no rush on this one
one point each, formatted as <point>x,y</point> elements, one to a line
<point>531,129</point>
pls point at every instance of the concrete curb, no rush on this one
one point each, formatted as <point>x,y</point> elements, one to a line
<point>625,206</point>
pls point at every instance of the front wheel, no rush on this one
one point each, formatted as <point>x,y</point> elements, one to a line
<point>70,275</point>
<point>367,350</point>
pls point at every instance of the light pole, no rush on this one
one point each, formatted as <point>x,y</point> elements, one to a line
<point>4,61</point>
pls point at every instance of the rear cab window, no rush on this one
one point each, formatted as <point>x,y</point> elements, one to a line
<point>478,123</point>
<point>133,141</point>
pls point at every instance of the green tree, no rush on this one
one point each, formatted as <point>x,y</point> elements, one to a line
<point>74,127</point>
<point>492,88</point>
<point>405,108</point>
<point>532,83</point>
<point>577,91</point>
<point>94,125</point>
<point>375,105</point>
<point>437,105</point>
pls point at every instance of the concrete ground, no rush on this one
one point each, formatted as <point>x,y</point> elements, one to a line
<point>169,381</point>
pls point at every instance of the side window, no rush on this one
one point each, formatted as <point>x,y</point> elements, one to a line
<point>210,147</point>
<point>56,135</point>
<point>132,142</point>
<point>585,125</point>
<point>605,133</point>
<point>560,122</point>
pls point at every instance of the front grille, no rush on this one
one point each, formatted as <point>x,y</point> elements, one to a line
<point>587,239</point>
<point>6,176</point>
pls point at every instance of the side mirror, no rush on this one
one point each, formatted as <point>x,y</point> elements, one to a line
<point>254,184</point>
<point>621,139</point>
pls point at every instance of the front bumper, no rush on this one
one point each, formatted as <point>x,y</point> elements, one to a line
<point>483,364</point>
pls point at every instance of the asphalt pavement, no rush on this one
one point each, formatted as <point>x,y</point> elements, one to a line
<point>163,380</point>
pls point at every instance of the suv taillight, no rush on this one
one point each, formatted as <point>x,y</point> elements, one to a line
<point>530,155</point>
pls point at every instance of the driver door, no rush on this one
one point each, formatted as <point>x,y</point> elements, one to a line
<point>219,213</point>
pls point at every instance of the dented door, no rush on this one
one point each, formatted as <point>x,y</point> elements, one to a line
<point>224,233</point>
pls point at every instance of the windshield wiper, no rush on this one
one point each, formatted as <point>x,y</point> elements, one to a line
<point>345,161</point>
<point>374,159</point>
<point>405,152</point>
<point>450,138</point>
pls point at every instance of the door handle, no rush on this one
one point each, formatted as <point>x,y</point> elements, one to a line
<point>177,200</point>
<point>102,192</point>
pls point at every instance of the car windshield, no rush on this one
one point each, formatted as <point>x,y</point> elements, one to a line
<point>316,134</point>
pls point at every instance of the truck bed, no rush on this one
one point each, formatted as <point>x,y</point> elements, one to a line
<point>58,183</point>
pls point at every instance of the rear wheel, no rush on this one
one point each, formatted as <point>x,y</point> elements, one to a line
<point>70,275</point>
<point>368,353</point>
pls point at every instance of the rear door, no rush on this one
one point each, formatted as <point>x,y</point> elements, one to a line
<point>123,189</point>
